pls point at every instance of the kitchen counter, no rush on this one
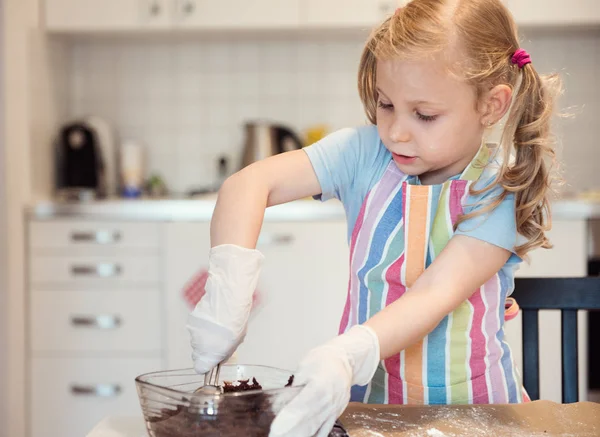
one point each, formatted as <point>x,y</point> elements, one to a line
<point>201,209</point>
<point>541,418</point>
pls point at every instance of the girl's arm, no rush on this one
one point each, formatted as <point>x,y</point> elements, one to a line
<point>461,268</point>
<point>217,325</point>
<point>243,198</point>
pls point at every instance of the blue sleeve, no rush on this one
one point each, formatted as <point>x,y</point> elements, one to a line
<point>499,226</point>
<point>347,162</point>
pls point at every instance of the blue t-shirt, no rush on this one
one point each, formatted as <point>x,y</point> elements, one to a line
<point>349,162</point>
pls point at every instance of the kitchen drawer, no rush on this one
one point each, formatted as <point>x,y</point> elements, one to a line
<point>68,397</point>
<point>82,234</point>
<point>98,320</point>
<point>94,270</point>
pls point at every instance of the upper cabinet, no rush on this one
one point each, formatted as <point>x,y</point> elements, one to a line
<point>555,12</point>
<point>143,15</point>
<point>232,14</point>
<point>346,13</point>
<point>151,15</point>
<point>107,15</point>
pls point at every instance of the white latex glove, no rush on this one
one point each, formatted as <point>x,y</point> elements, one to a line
<point>328,373</point>
<point>218,324</point>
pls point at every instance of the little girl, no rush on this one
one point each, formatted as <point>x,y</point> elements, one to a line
<point>438,220</point>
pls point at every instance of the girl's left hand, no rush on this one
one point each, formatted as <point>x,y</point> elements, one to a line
<point>328,372</point>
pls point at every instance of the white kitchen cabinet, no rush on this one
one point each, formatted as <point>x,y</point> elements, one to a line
<point>68,396</point>
<point>302,287</point>
<point>174,15</point>
<point>237,14</point>
<point>95,312</point>
<point>103,15</point>
<point>555,12</point>
<point>87,236</point>
<point>95,270</point>
<point>347,13</point>
<point>568,258</point>
<point>145,15</point>
<point>84,320</point>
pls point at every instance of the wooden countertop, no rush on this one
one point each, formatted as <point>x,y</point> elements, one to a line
<point>540,418</point>
<point>536,419</point>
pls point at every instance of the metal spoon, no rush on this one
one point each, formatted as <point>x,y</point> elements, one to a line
<point>211,383</point>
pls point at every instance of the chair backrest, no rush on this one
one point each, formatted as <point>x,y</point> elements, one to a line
<point>567,295</point>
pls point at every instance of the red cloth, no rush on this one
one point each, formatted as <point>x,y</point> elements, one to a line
<point>195,288</point>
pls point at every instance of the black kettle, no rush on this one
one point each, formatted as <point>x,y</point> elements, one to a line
<point>264,139</point>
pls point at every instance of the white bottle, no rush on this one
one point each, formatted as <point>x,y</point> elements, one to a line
<point>132,163</point>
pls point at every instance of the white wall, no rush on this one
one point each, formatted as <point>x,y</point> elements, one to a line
<point>3,251</point>
<point>20,17</point>
<point>187,99</point>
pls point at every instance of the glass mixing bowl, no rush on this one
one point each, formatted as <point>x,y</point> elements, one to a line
<point>172,409</point>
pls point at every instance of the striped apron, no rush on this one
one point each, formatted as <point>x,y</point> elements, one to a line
<point>399,231</point>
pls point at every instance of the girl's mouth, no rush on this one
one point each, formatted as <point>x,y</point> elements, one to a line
<point>403,159</point>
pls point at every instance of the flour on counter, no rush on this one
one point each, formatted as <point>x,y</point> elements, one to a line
<point>444,422</point>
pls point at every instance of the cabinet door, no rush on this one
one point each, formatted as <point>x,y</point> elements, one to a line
<point>555,12</point>
<point>186,253</point>
<point>237,14</point>
<point>107,15</point>
<point>347,13</point>
<point>69,396</point>
<point>302,286</point>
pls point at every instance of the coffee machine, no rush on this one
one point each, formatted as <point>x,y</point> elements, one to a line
<point>80,171</point>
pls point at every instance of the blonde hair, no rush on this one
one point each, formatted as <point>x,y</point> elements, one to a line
<point>485,35</point>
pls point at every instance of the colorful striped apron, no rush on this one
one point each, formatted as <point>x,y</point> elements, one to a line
<point>399,231</point>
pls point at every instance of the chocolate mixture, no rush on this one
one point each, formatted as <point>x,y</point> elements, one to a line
<point>245,416</point>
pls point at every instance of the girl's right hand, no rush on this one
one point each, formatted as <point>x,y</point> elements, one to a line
<point>218,324</point>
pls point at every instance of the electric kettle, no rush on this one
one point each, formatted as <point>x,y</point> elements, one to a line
<point>264,139</point>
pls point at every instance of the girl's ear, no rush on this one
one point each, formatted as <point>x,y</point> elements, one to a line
<point>494,104</point>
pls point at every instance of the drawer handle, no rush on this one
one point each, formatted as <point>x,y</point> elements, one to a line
<point>100,237</point>
<point>104,270</point>
<point>103,321</point>
<point>98,390</point>
<point>276,239</point>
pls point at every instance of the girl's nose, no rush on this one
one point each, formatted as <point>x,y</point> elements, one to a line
<point>399,133</point>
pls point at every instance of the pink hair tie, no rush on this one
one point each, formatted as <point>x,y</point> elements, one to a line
<point>521,58</point>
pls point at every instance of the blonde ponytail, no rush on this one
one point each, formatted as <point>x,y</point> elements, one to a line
<point>529,177</point>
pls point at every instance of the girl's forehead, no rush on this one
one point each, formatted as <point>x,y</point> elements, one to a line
<point>430,76</point>
<point>429,79</point>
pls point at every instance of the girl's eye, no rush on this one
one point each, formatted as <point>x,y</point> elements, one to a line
<point>426,118</point>
<point>384,105</point>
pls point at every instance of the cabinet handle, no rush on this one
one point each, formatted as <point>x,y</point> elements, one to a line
<point>276,239</point>
<point>155,9</point>
<point>103,321</point>
<point>100,237</point>
<point>98,390</point>
<point>103,270</point>
<point>188,7</point>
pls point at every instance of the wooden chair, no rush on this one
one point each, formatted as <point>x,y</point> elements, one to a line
<point>567,295</point>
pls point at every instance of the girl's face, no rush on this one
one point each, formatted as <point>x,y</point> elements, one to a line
<point>427,118</point>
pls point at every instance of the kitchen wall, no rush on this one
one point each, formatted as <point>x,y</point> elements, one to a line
<point>187,99</point>
<point>3,249</point>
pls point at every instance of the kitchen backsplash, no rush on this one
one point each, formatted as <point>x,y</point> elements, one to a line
<point>187,99</point>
